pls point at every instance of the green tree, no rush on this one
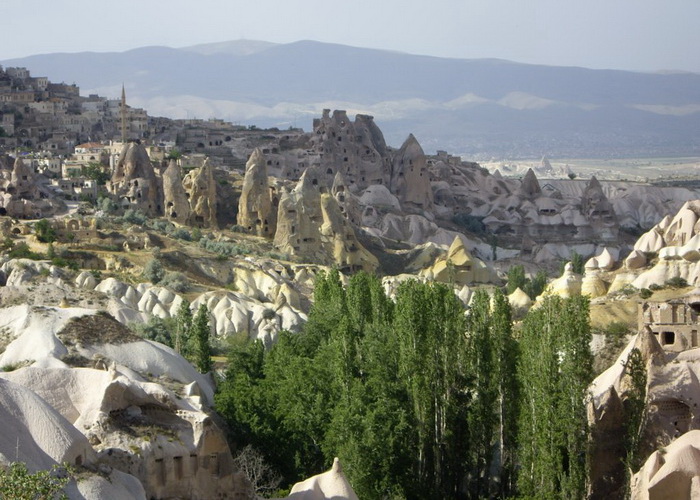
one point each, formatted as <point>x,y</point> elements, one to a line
<point>45,231</point>
<point>18,483</point>
<point>183,328</point>
<point>635,410</point>
<point>95,172</point>
<point>200,338</point>
<point>154,271</point>
<point>515,278</point>
<point>554,370</point>
<point>505,359</point>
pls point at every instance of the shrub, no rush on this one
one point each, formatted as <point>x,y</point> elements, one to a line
<point>654,287</point>
<point>22,251</point>
<point>45,231</point>
<point>471,223</point>
<point>154,271</point>
<point>17,482</point>
<point>645,293</point>
<point>181,234</point>
<point>677,282</point>
<point>134,217</point>
<point>175,281</point>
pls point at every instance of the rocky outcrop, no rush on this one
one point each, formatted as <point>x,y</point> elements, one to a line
<point>458,266</point>
<point>355,149</point>
<point>256,212</point>
<point>310,224</point>
<point>176,202</point>
<point>331,485</point>
<point>21,195</point>
<point>410,180</point>
<point>140,407</point>
<point>200,185</point>
<point>530,186</point>
<point>135,183</point>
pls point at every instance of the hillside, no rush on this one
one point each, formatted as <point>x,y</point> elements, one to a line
<point>481,108</point>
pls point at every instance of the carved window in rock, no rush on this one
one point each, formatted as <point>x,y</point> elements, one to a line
<point>160,471</point>
<point>668,338</point>
<point>177,465</point>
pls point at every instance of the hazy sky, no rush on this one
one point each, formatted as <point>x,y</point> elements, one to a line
<point>621,34</point>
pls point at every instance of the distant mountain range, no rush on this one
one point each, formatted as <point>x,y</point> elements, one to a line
<point>480,108</point>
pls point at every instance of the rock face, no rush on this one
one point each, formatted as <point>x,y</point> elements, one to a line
<point>331,485</point>
<point>20,194</point>
<point>134,181</point>
<point>256,210</point>
<point>177,205</point>
<point>310,224</point>
<point>673,473</point>
<point>410,181</point>
<point>355,149</point>
<point>460,267</point>
<point>200,185</point>
<point>676,241</point>
<point>140,407</point>
<point>530,186</point>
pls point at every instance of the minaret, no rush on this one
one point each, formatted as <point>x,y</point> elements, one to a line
<point>123,115</point>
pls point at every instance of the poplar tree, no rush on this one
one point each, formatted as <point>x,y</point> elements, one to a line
<point>200,338</point>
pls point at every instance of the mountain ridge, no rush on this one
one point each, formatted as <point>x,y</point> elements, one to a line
<point>280,84</point>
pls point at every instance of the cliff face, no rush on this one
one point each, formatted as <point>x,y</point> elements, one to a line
<point>104,404</point>
<point>134,181</point>
<point>256,212</point>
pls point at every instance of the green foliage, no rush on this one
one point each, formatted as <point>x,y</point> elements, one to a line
<point>183,327</point>
<point>554,371</point>
<point>45,231</point>
<point>577,263</point>
<point>645,293</point>
<point>471,223</point>
<point>677,282</point>
<point>635,408</point>
<point>154,271</point>
<point>134,217</point>
<point>176,281</point>
<point>95,172</point>
<point>157,330</point>
<point>200,339</point>
<point>22,251</point>
<point>107,205</point>
<point>224,248</point>
<point>18,483</point>
<point>533,287</point>
<point>411,396</point>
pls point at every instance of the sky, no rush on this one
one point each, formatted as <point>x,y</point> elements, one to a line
<point>639,35</point>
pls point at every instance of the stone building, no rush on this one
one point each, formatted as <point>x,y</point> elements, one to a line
<point>673,323</point>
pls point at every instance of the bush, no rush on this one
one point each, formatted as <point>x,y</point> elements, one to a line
<point>645,293</point>
<point>45,231</point>
<point>181,233</point>
<point>677,282</point>
<point>471,223</point>
<point>224,248</point>
<point>22,251</point>
<point>107,205</point>
<point>654,287</point>
<point>154,271</point>
<point>134,217</point>
<point>175,281</point>
<point>157,330</point>
<point>17,482</point>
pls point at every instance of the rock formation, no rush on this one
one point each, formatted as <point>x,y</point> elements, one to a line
<point>331,485</point>
<point>310,224</point>
<point>355,149</point>
<point>21,195</point>
<point>110,386</point>
<point>458,266</point>
<point>176,203</point>
<point>201,188</point>
<point>410,180</point>
<point>134,181</point>
<point>530,186</point>
<point>256,211</point>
